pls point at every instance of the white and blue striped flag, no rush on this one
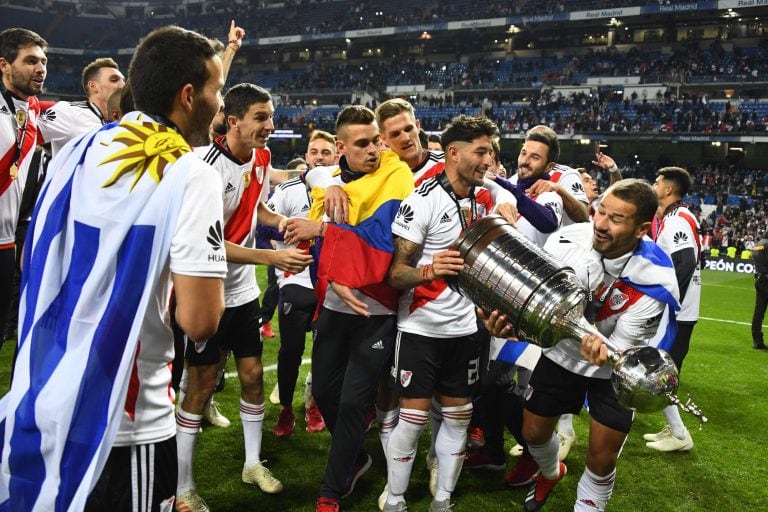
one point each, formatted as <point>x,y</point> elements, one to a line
<point>97,245</point>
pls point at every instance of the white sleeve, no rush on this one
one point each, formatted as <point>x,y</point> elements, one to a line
<point>554,201</point>
<point>276,203</point>
<point>412,219</point>
<point>571,183</point>
<point>676,236</point>
<point>197,248</point>
<point>320,177</point>
<point>55,125</point>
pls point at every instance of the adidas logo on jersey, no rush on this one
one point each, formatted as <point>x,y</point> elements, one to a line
<point>229,188</point>
<point>445,218</point>
<point>379,345</point>
<point>4,110</point>
<point>49,115</point>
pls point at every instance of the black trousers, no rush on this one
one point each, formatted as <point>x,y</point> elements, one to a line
<point>271,296</point>
<point>349,355</point>
<point>761,300</point>
<point>296,308</point>
<point>682,343</point>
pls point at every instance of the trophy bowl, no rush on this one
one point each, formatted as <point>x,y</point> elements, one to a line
<point>643,378</point>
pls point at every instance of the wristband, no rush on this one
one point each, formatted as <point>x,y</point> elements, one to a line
<point>427,274</point>
<point>614,168</point>
<point>235,44</point>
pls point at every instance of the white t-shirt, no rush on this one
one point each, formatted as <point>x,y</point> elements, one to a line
<point>428,217</point>
<point>628,318</point>
<point>240,286</point>
<point>148,413</point>
<point>66,120</point>
<point>291,198</point>
<point>679,230</point>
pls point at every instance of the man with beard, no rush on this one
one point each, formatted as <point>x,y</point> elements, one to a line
<point>242,160</point>
<point>23,65</point>
<point>638,283</point>
<point>115,229</point>
<point>437,344</point>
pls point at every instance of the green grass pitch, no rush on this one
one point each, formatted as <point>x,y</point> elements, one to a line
<point>726,470</point>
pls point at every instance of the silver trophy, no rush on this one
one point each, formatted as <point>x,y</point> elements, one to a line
<point>544,302</point>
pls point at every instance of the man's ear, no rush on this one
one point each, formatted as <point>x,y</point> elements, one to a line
<point>186,97</point>
<point>643,229</point>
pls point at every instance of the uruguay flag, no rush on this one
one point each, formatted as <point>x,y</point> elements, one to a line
<point>654,275</point>
<point>93,258</point>
<point>358,255</point>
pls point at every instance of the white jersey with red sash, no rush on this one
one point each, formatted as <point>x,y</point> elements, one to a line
<point>679,230</point>
<point>636,289</point>
<point>18,137</point>
<point>433,218</point>
<point>245,185</point>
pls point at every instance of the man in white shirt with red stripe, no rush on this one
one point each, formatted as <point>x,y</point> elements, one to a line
<point>23,65</point>
<point>242,160</point>
<point>66,120</point>
<point>679,236</point>
<point>437,346</point>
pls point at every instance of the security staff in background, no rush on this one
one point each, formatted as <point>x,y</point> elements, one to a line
<point>761,291</point>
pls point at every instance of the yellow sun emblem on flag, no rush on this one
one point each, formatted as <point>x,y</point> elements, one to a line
<point>149,149</point>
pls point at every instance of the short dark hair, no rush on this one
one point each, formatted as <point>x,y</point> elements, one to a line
<point>92,69</point>
<point>354,114</point>
<point>553,146</point>
<point>165,61</point>
<point>679,177</point>
<point>295,163</point>
<point>434,138</point>
<point>14,39</point>
<point>465,128</point>
<point>240,97</point>
<point>639,193</point>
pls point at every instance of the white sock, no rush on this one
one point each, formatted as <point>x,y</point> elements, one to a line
<point>593,492</point>
<point>546,456</point>
<point>187,432</point>
<point>401,450</point>
<point>450,446</point>
<point>252,417</point>
<point>308,389</point>
<point>387,421</point>
<point>436,417</point>
<point>183,382</point>
<point>565,425</point>
<point>675,422</point>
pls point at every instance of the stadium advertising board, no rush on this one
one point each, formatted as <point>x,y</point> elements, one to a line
<point>729,265</point>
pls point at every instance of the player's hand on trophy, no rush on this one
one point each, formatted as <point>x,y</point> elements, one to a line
<point>495,323</point>
<point>446,263</point>
<point>593,349</point>
<point>508,211</point>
